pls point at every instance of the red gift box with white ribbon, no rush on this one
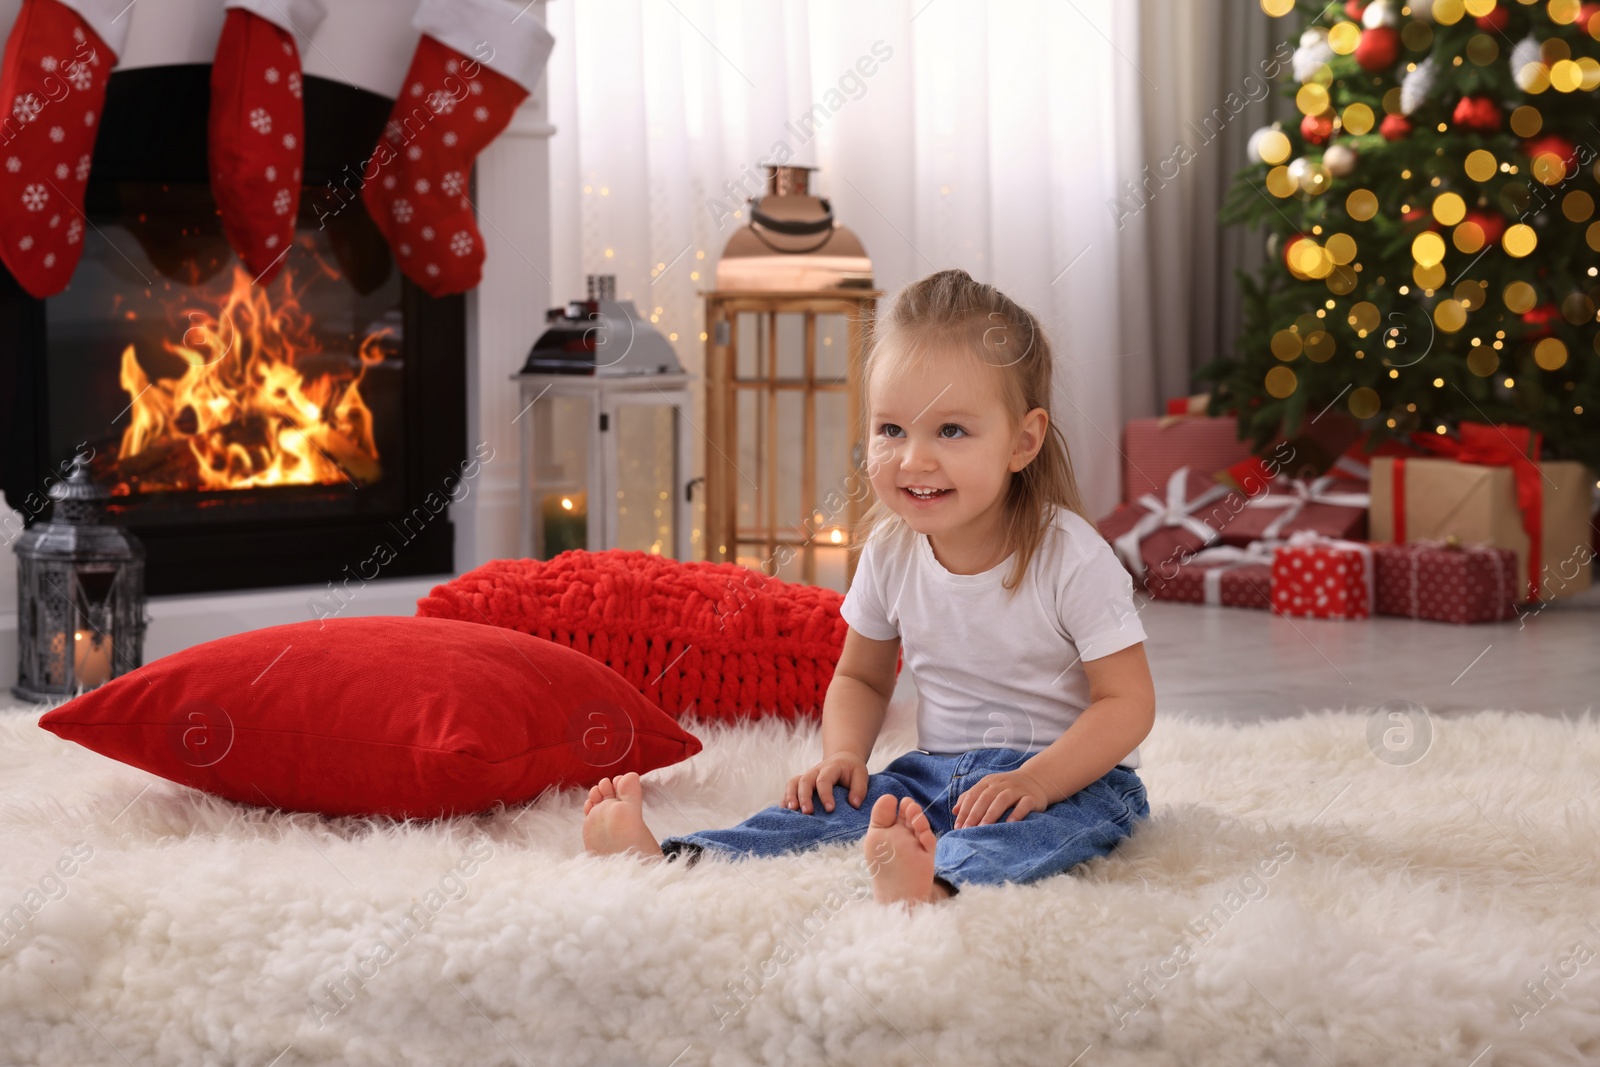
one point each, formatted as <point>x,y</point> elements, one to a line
<point>1323,577</point>
<point>1223,575</point>
<point>1152,535</point>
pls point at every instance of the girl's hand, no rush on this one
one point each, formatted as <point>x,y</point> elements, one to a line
<point>842,768</point>
<point>994,793</point>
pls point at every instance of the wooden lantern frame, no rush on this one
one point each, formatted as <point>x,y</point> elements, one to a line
<point>723,535</point>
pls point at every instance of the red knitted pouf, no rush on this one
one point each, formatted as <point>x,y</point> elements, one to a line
<point>717,638</point>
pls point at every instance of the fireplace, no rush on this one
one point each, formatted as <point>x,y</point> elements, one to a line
<point>250,436</point>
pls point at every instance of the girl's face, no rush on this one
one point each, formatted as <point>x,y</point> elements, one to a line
<point>943,427</point>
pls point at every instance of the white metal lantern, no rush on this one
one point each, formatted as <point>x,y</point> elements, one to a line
<point>605,434</point>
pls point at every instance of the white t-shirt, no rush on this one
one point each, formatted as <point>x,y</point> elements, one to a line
<point>993,672</point>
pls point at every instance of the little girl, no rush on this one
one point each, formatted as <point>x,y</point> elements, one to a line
<point>1017,621</point>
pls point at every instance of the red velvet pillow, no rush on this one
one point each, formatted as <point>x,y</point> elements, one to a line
<point>395,716</point>
<point>720,638</point>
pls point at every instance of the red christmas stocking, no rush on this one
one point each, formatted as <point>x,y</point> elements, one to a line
<point>472,67</point>
<point>257,129</point>
<point>52,87</point>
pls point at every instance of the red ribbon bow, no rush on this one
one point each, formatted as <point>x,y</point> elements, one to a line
<point>1497,445</point>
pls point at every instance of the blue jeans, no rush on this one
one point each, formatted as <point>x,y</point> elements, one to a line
<point>1087,824</point>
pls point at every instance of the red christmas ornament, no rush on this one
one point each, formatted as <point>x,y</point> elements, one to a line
<point>1493,225</point>
<point>1541,320</point>
<point>1477,113</point>
<point>1316,129</point>
<point>1378,49</point>
<point>1288,247</point>
<point>1554,143</point>
<point>1394,127</point>
<point>1354,9</point>
<point>1495,21</point>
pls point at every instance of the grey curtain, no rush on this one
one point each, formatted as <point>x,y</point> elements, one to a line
<point>1198,94</point>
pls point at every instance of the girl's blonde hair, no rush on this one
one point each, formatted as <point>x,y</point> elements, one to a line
<point>951,312</point>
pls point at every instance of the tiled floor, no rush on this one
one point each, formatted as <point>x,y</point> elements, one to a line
<point>1243,665</point>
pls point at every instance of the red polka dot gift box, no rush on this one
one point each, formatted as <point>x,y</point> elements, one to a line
<point>1446,581</point>
<point>1323,577</point>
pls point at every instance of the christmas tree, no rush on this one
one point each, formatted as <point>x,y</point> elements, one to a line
<point>1432,238</point>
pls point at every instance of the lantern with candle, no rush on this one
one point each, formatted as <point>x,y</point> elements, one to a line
<point>786,340</point>
<point>80,595</point>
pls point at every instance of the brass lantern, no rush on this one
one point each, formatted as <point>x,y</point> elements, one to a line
<point>786,337</point>
<point>80,595</point>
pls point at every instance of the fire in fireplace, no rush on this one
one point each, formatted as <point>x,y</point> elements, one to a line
<point>257,402</point>
<point>250,436</point>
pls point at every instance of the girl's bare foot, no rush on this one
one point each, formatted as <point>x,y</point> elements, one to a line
<point>900,844</point>
<point>613,819</point>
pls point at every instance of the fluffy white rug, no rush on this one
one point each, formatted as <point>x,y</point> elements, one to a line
<point>1293,900</point>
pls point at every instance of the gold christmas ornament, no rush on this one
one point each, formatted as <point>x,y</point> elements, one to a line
<point>1362,204</point>
<point>1483,361</point>
<point>1519,240</point>
<point>1468,237</point>
<point>1519,297</point>
<point>1449,315</point>
<point>1449,208</point>
<point>1427,248</point>
<point>1480,165</point>
<point>1550,354</point>
<point>1364,318</point>
<point>1526,121</point>
<point>1364,402</point>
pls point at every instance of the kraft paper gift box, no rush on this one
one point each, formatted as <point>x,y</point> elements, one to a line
<point>1477,504</point>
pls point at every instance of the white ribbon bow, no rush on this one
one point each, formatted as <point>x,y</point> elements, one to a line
<point>1226,558</point>
<point>1300,493</point>
<point>1159,514</point>
<point>1309,538</point>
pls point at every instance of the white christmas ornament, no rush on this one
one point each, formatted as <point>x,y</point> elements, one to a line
<point>1523,59</point>
<point>1380,13</point>
<point>1417,86</point>
<point>1339,159</point>
<point>1422,9</point>
<point>1314,51</point>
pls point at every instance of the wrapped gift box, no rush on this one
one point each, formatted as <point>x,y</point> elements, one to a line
<point>1323,577</point>
<point>1153,449</point>
<point>1153,534</point>
<point>1327,505</point>
<point>1446,581</point>
<point>1435,499</point>
<point>1222,575</point>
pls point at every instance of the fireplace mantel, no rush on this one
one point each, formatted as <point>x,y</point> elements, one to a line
<point>366,43</point>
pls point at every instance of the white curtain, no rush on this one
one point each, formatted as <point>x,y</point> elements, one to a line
<point>984,136</point>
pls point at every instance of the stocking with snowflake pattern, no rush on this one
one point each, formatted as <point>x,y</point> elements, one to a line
<point>257,128</point>
<point>476,62</point>
<point>52,88</point>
